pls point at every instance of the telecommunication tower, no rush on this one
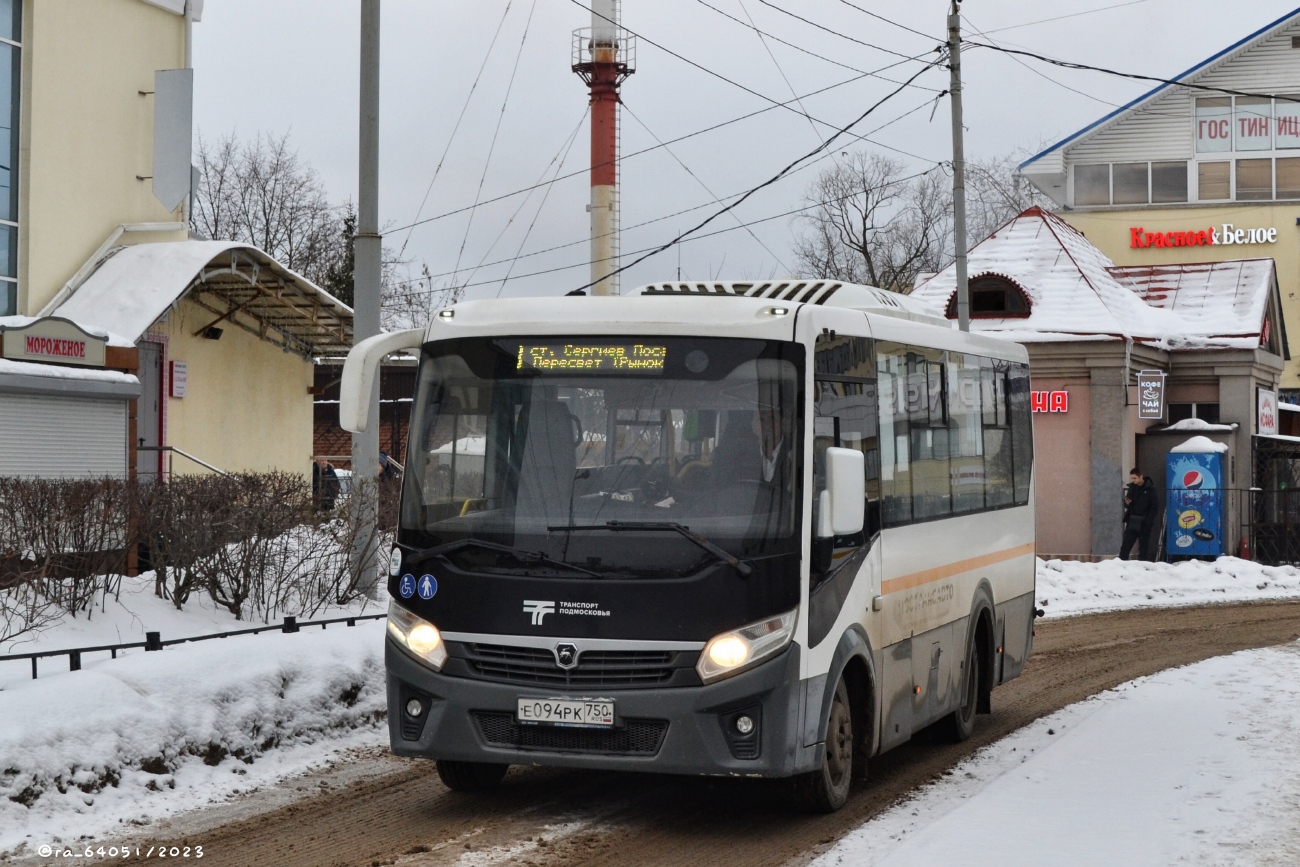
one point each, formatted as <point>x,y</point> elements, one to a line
<point>604,55</point>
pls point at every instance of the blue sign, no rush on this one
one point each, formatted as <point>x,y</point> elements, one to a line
<point>1194,511</point>
<point>428,586</point>
<point>407,586</point>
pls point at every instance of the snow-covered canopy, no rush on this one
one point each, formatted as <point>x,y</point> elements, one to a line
<point>1198,424</point>
<point>1198,446</point>
<point>1076,292</point>
<point>237,283</point>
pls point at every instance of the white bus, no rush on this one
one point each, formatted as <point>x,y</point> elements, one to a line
<point>752,529</point>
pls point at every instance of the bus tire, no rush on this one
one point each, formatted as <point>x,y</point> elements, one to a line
<point>958,725</point>
<point>471,776</point>
<point>827,789</point>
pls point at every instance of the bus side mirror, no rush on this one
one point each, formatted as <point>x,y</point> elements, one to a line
<point>361,370</point>
<point>842,507</point>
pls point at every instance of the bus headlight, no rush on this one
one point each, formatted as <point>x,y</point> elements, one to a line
<point>734,651</point>
<point>417,635</point>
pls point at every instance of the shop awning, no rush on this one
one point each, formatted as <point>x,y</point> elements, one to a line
<point>238,284</point>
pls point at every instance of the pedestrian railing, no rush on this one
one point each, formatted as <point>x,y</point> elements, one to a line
<point>153,640</point>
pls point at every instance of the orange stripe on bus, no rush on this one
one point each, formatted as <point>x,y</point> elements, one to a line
<point>916,579</point>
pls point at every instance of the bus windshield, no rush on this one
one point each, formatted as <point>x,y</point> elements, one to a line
<point>583,450</point>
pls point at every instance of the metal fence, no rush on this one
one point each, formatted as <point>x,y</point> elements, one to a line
<point>153,640</point>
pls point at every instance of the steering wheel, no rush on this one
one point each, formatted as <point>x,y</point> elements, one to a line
<point>627,458</point>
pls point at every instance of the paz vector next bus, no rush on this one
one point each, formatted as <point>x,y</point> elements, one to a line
<point>752,529</point>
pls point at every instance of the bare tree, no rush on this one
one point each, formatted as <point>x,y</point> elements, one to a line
<point>872,222</point>
<point>262,193</point>
<point>995,193</point>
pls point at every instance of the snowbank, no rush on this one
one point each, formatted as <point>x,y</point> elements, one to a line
<point>1067,588</point>
<point>1193,765</point>
<point>84,751</point>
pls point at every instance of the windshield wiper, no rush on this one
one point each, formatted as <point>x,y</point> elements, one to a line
<point>518,553</point>
<point>617,526</point>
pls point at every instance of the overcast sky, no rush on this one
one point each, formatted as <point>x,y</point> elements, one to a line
<point>291,65</point>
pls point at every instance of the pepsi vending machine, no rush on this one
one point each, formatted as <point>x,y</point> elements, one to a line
<point>1194,504</point>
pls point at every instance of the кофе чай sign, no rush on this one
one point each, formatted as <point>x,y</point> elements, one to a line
<point>1151,394</point>
<point>54,340</point>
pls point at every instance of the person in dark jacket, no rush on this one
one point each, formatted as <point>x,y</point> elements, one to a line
<point>1140,509</point>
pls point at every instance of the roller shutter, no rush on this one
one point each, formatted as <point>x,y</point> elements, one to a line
<point>62,436</point>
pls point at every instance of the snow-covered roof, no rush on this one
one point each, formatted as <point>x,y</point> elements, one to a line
<point>94,331</point>
<point>1076,292</point>
<point>238,283</point>
<point>1214,298</point>
<point>58,371</point>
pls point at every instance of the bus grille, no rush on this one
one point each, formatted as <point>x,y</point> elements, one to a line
<point>596,668</point>
<point>640,737</point>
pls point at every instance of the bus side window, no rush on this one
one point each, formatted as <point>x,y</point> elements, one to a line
<point>1022,437</point>
<point>845,413</point>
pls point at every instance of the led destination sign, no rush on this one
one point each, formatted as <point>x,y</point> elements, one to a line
<point>603,357</point>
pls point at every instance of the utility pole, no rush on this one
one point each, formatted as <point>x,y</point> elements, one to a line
<point>958,166</point>
<point>367,249</point>
<point>603,58</point>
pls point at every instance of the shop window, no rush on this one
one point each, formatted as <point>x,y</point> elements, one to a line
<point>1168,182</point>
<point>993,298</point>
<point>1092,185</point>
<point>1214,181</point>
<point>1288,178</point>
<point>1206,412</point>
<point>1254,180</point>
<point>1213,124</point>
<point>1254,123</point>
<point>1130,183</point>
<point>1286,122</point>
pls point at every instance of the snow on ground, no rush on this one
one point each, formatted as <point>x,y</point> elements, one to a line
<point>148,735</point>
<point>1067,587</point>
<point>1197,765</point>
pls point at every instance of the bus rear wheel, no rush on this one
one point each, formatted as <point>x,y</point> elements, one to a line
<point>827,789</point>
<point>958,725</point>
<point>471,776</point>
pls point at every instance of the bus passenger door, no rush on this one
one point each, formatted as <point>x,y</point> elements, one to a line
<point>844,572</point>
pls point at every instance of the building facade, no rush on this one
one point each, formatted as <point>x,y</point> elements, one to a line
<point>1095,330</point>
<point>1206,170</point>
<point>220,338</point>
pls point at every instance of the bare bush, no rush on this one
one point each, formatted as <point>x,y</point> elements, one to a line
<point>253,543</point>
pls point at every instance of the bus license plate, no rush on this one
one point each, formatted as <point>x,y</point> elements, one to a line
<point>558,711</point>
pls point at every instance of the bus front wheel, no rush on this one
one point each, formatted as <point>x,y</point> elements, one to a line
<point>827,788</point>
<point>471,776</point>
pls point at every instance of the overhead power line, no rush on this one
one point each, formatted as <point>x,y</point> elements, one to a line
<point>587,264</point>
<point>879,17</point>
<point>772,180</point>
<point>763,33</point>
<point>487,55</point>
<point>835,32</point>
<point>1066,64</point>
<point>487,162</point>
<point>653,147</point>
<point>786,105</point>
<point>1063,17</point>
<point>664,217</point>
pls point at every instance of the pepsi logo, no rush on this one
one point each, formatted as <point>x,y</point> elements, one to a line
<point>1193,479</point>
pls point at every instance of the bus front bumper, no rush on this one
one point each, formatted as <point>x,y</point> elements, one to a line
<point>680,730</point>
